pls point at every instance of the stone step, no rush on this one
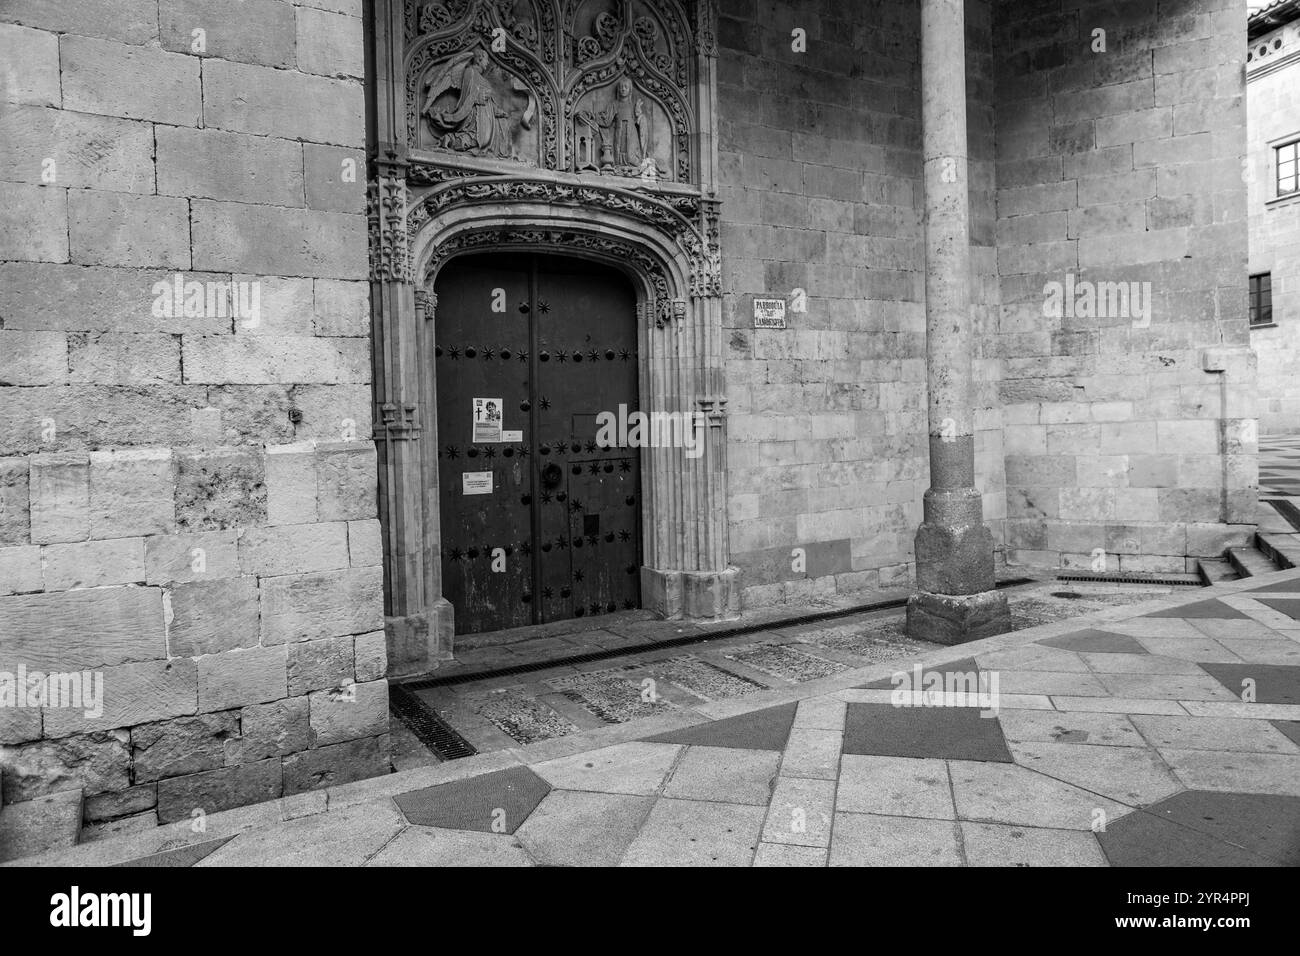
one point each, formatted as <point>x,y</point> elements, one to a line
<point>51,822</point>
<point>1282,549</point>
<point>1249,562</point>
<point>1216,570</point>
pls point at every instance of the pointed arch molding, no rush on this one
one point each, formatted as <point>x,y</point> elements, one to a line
<point>447,182</point>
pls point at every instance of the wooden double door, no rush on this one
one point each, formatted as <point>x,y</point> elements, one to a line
<point>539,522</point>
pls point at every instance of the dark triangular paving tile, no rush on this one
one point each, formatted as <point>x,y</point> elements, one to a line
<point>1143,839</point>
<point>1289,727</point>
<point>947,733</point>
<point>767,729</point>
<point>471,804</point>
<point>964,666</point>
<point>1288,606</point>
<point>1266,825</point>
<point>181,856</point>
<point>1094,641</point>
<point>1292,585</point>
<point>1274,683</point>
<point>1199,610</point>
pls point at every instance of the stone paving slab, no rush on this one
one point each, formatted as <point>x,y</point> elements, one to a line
<point>1118,737</point>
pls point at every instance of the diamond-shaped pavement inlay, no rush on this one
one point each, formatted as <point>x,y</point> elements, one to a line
<point>965,665</point>
<point>1202,828</point>
<point>475,803</point>
<point>181,856</point>
<point>1289,727</point>
<point>1199,610</point>
<point>1288,606</point>
<point>950,733</point>
<point>766,729</point>
<point>1274,683</point>
<point>1291,585</point>
<point>1094,641</point>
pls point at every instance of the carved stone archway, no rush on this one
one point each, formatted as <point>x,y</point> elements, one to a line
<point>494,128</point>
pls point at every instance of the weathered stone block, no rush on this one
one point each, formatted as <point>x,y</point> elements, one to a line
<point>317,665</point>
<point>342,308</point>
<point>332,179</point>
<point>131,21</point>
<point>49,631</point>
<point>237,237</point>
<point>284,306</point>
<point>121,803</point>
<point>60,498</point>
<point>305,607</point>
<point>32,58</point>
<point>33,358</point>
<point>93,762</point>
<point>186,745</point>
<point>205,556</point>
<point>19,725</point>
<point>330,44</point>
<point>77,150</point>
<point>254,99</point>
<point>133,694</point>
<point>270,730</point>
<point>236,678</point>
<point>219,489</point>
<point>93,564</point>
<point>132,492</point>
<point>20,569</point>
<point>291,484</point>
<point>209,617</point>
<point>111,358</point>
<point>330,412</point>
<point>294,549</point>
<point>136,82</point>
<point>337,764</point>
<point>48,823</point>
<point>370,656</point>
<point>214,164</point>
<point>346,479</point>
<point>33,223</point>
<point>118,229</point>
<point>15,502</point>
<point>365,545</point>
<point>248,31</point>
<point>260,359</point>
<point>211,791</point>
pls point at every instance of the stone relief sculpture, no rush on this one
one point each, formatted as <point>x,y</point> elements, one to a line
<point>618,139</point>
<point>479,121</point>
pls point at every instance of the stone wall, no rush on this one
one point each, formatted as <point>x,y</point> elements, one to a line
<point>1273,113</point>
<point>1123,164</point>
<point>187,488</point>
<point>821,188</point>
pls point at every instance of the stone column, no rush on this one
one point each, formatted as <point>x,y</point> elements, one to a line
<point>956,600</point>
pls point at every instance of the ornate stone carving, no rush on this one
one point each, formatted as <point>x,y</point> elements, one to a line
<point>386,223</point>
<point>478,118</point>
<point>396,421</point>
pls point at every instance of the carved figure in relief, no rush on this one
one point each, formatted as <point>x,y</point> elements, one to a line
<point>479,122</point>
<point>622,133</point>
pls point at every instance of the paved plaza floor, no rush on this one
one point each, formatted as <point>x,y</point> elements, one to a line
<point>1166,733</point>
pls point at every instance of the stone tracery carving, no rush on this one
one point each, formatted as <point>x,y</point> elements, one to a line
<point>484,81</point>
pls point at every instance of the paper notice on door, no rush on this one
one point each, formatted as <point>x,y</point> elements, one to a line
<point>476,483</point>
<point>513,437</point>
<point>487,420</point>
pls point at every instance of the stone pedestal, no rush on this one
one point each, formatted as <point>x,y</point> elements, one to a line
<point>697,595</point>
<point>957,618</point>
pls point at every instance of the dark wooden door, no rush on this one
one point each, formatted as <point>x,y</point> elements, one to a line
<point>539,523</point>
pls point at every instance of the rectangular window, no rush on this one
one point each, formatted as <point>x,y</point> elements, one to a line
<point>1261,299</point>
<point>1288,168</point>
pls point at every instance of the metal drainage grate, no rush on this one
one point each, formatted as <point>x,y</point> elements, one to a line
<point>1130,579</point>
<point>684,641</point>
<point>431,730</point>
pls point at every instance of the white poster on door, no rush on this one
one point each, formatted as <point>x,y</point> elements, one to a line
<point>476,483</point>
<point>487,420</point>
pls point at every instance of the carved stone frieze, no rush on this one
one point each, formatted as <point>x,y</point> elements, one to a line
<point>386,223</point>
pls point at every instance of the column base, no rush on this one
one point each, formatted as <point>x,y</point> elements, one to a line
<point>418,642</point>
<point>957,618</point>
<point>694,595</point>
